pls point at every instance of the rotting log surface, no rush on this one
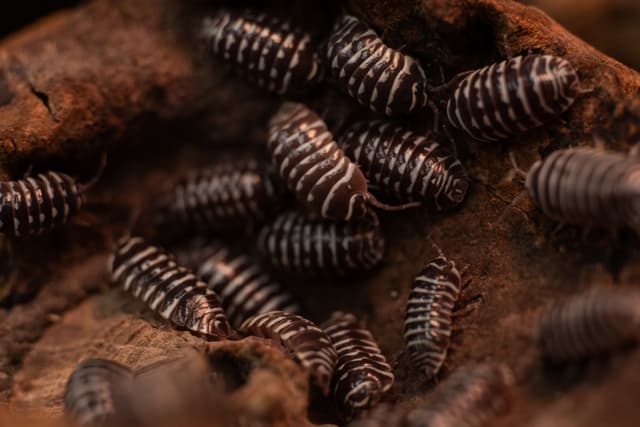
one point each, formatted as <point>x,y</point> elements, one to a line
<point>79,83</point>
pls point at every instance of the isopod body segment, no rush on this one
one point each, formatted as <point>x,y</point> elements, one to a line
<point>377,76</point>
<point>586,186</point>
<point>172,291</point>
<point>406,166</point>
<point>512,96</point>
<point>295,244</point>
<point>592,323</point>
<point>302,339</point>
<point>244,287</point>
<point>362,375</point>
<point>428,319</point>
<point>270,52</point>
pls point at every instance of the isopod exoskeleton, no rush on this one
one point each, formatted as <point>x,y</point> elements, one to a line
<point>324,181</point>
<point>89,393</point>
<point>512,96</point>
<point>244,287</point>
<point>470,397</point>
<point>586,186</point>
<point>172,291</point>
<point>589,324</point>
<point>362,374</point>
<point>295,244</point>
<point>267,50</point>
<point>377,76</point>
<point>428,319</point>
<point>227,196</point>
<point>406,166</point>
<point>305,342</point>
<point>36,205</point>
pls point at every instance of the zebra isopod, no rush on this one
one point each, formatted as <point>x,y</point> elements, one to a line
<point>471,396</point>
<point>227,196</point>
<point>428,319</point>
<point>36,205</point>
<point>377,76</point>
<point>89,392</point>
<point>324,181</point>
<point>267,50</point>
<point>302,339</point>
<point>362,374</point>
<point>244,287</point>
<point>586,186</point>
<point>406,166</point>
<point>512,96</point>
<point>174,292</point>
<point>295,244</point>
<point>592,323</point>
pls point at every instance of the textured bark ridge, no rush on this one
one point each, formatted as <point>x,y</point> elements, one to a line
<point>128,77</point>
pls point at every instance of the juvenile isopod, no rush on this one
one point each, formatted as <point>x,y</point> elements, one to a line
<point>89,392</point>
<point>295,244</point>
<point>36,205</point>
<point>472,396</point>
<point>324,181</point>
<point>362,375</point>
<point>592,323</point>
<point>406,166</point>
<point>172,291</point>
<point>586,186</point>
<point>243,285</point>
<point>226,196</point>
<point>270,52</point>
<point>512,96</point>
<point>377,76</point>
<point>302,339</point>
<point>429,314</point>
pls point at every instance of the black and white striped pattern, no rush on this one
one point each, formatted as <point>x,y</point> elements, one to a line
<point>512,96</point>
<point>244,287</point>
<point>472,396</point>
<point>305,342</point>
<point>383,79</point>
<point>324,181</point>
<point>170,290</point>
<point>362,373</point>
<point>595,322</point>
<point>586,186</point>
<point>406,166</point>
<point>227,196</point>
<point>427,324</point>
<point>89,393</point>
<point>295,244</point>
<point>269,51</point>
<point>37,205</point>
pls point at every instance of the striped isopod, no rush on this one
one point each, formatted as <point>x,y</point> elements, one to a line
<point>325,182</point>
<point>362,374</point>
<point>226,196</point>
<point>406,166</point>
<point>243,286</point>
<point>586,186</point>
<point>500,100</point>
<point>588,324</point>
<point>267,50</point>
<point>303,340</point>
<point>36,205</point>
<point>377,76</point>
<point>428,319</point>
<point>293,243</point>
<point>174,292</point>
<point>89,393</point>
<point>470,397</point>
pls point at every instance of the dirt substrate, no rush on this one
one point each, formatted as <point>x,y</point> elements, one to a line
<point>127,77</point>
